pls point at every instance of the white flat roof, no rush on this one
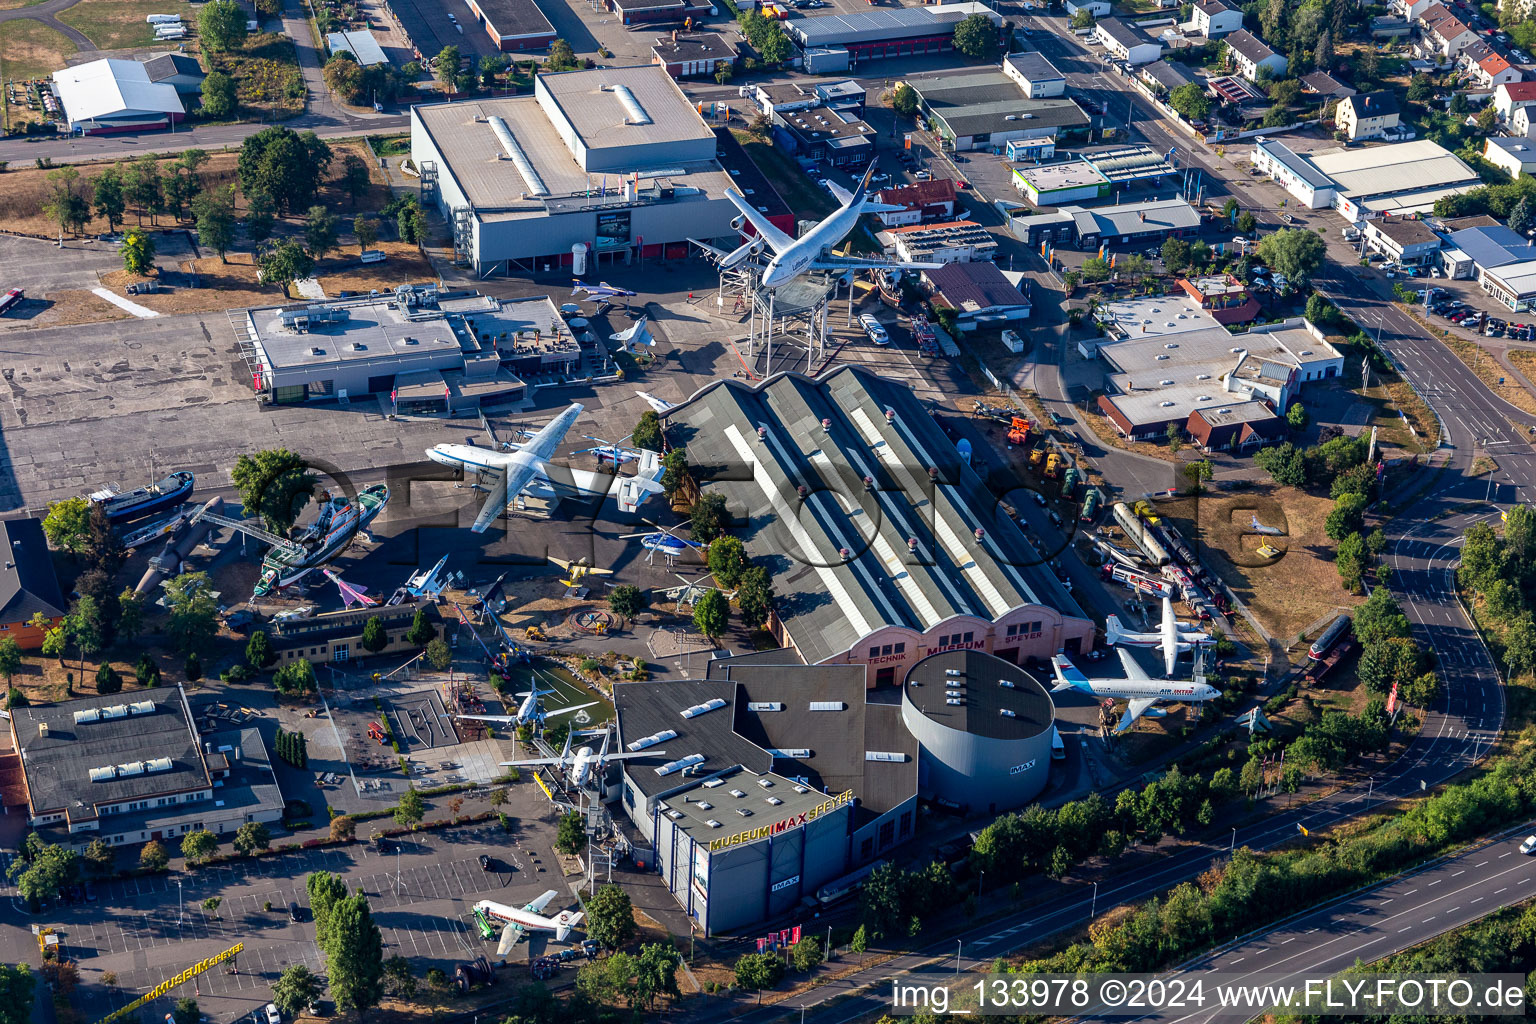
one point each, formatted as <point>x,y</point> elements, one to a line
<point>1519,278</point>
<point>112,88</point>
<point>1156,317</point>
<point>1400,167</point>
<point>1050,177</point>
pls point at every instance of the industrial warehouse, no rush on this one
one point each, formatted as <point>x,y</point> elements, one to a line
<point>884,545</point>
<point>837,42</point>
<point>779,779</point>
<point>595,167</point>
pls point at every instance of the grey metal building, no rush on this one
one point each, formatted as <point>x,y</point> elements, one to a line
<point>776,779</point>
<point>984,726</point>
<point>595,167</point>
<point>987,109</point>
<point>422,349</point>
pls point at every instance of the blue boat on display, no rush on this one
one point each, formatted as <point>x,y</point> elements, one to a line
<point>122,506</point>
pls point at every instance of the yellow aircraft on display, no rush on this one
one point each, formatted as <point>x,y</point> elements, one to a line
<point>579,569</point>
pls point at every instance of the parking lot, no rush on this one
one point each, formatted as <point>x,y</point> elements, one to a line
<point>147,929</point>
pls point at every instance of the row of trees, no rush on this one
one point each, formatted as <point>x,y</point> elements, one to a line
<point>766,36</point>
<point>1500,573</point>
<point>1253,889</point>
<point>350,941</point>
<point>292,747</point>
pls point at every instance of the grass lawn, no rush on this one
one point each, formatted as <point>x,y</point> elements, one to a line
<point>798,191</point>
<point>266,73</point>
<point>1287,593</point>
<point>120,24</point>
<point>11,5</point>
<point>29,49</point>
<point>394,145</point>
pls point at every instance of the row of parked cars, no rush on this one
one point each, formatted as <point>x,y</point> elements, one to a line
<point>1463,315</point>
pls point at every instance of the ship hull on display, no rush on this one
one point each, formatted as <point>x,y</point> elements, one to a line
<point>122,506</point>
<point>338,522</point>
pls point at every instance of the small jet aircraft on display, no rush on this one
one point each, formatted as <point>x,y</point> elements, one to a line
<point>1173,639</point>
<point>813,250</point>
<point>585,764</point>
<point>530,711</point>
<point>603,291</point>
<point>654,402</point>
<point>610,451</point>
<point>1268,531</point>
<point>428,583</point>
<point>350,593</point>
<point>665,542</point>
<point>525,468</point>
<point>529,918</point>
<point>1140,691</point>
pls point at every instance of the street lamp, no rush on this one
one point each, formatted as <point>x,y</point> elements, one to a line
<point>179,904</point>
<point>1094,906</point>
<point>959,945</point>
<point>1233,845</point>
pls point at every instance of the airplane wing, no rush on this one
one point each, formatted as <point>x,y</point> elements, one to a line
<point>543,443</point>
<point>509,938</point>
<point>539,903</point>
<point>562,711</point>
<point>860,263</point>
<point>534,762</point>
<point>1134,710</point>
<point>496,500</point>
<point>775,238</point>
<point>842,195</point>
<point>633,490</point>
<point>1133,669</point>
<point>500,719</point>
<point>561,562</point>
<point>715,254</point>
<point>654,402</point>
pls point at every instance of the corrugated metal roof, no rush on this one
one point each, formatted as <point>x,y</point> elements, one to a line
<point>112,88</point>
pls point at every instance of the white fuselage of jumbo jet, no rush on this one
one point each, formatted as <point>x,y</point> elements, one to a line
<point>1134,689</point>
<point>482,460</point>
<point>813,245</point>
<point>561,924</point>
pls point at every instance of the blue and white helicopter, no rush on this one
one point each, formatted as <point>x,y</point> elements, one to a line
<point>666,542</point>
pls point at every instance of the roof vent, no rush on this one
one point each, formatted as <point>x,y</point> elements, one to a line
<point>1202,376</point>
<point>635,112</point>
<point>801,789</point>
<point>519,158</point>
<point>1007,713</point>
<point>1223,410</point>
<point>650,741</point>
<point>115,711</point>
<point>765,705</point>
<point>704,709</point>
<point>358,346</point>
<point>142,707</point>
<point>131,768</point>
<point>88,715</point>
<point>159,764</point>
<point>671,767</point>
<point>775,801</point>
<point>1165,405</point>
<point>790,753</point>
<point>955,701</point>
<point>1165,383</point>
<point>712,823</point>
<point>674,815</point>
<point>890,415</point>
<point>714,783</point>
<point>828,705</point>
<point>892,756</point>
<point>106,774</point>
<point>1009,683</point>
<point>745,812</point>
<point>705,805</point>
<point>765,783</point>
<point>1203,398</point>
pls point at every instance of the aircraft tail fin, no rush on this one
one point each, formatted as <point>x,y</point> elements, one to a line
<point>1068,677</point>
<point>1113,631</point>
<point>863,189</point>
<point>565,922</point>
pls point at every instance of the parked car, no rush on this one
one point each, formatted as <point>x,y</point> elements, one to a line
<point>1529,846</point>
<point>273,1017</point>
<point>923,175</point>
<point>294,914</point>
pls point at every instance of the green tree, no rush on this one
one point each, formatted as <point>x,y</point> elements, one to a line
<point>186,1011</point>
<point>1521,216</point>
<point>107,196</point>
<point>143,187</point>
<point>375,637</point>
<point>211,904</point>
<point>154,857</point>
<point>65,204</point>
<point>67,524</point>
<point>655,973</point>
<point>1285,463</point>
<point>1175,254</point>
<point>344,76</point>
<point>274,484</point>
<point>356,179</point>
<point>439,654</point>
<point>354,955</point>
<point>1351,561</point>
<point>807,953</point>
<point>366,230</point>
<point>283,165</point>
<point>10,658</point>
<point>754,596</point>
<point>1246,223</point>
<point>711,614</point>
<point>107,680</point>
<point>1083,19</point>
<point>286,263</point>
<point>193,620</point>
<point>398,979</point>
<point>325,891</point>
<point>709,517</point>
<point>675,473</point>
<point>1347,516</point>
<point>1175,438</point>
<point>728,560</point>
<point>774,47</point>
<point>295,678</point>
<point>138,252</point>
<point>610,915</point>
<point>421,632</point>
<point>904,99</point>
<point>258,650</point>
<point>44,870</point>
<point>410,810</point>
<point>221,26</point>
<point>758,971</point>
<point>1296,416</point>
<point>251,837</point>
<point>260,217</point>
<point>626,600</point>
<point>647,432</point>
<point>99,859</point>
<point>571,836</point>
<point>1191,101</point>
<point>1294,252</point>
<point>1389,661</point>
<point>295,990</point>
<point>319,232</point>
<point>181,187</point>
<point>214,215</point>
<point>85,628</point>
<point>561,57</point>
<point>1095,270</point>
<point>1520,646</point>
<point>17,992</point>
<point>883,901</point>
<point>219,97</point>
<point>1380,618</point>
<point>1200,473</point>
